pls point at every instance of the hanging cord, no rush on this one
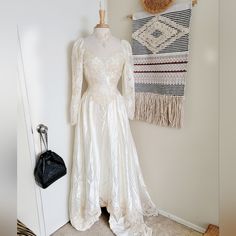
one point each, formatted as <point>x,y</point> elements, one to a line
<point>42,130</point>
<point>44,140</point>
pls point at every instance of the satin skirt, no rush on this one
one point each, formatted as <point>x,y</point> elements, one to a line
<point>106,170</point>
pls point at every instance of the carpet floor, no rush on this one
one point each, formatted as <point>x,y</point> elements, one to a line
<point>160,225</point>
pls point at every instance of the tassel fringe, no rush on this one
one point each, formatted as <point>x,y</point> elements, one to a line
<point>163,110</point>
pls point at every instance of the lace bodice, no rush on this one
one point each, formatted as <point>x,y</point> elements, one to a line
<point>102,75</point>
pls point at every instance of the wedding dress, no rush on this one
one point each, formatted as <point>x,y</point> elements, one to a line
<point>105,169</point>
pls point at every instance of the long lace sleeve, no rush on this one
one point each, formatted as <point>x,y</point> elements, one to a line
<point>128,89</point>
<point>77,79</point>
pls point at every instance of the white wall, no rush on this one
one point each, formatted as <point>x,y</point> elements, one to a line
<point>227,120</point>
<point>181,166</point>
<point>47,30</point>
<point>8,74</point>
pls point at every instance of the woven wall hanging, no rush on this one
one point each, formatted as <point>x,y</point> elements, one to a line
<point>156,6</point>
<point>160,45</point>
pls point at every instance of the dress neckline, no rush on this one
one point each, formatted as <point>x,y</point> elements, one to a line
<point>105,57</point>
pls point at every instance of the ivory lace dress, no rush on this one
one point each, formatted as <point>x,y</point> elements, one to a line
<point>105,169</point>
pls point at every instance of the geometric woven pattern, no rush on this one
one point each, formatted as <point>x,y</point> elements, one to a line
<point>168,32</point>
<point>160,53</point>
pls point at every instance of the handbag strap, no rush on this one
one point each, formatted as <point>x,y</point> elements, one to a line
<point>42,129</point>
<point>44,140</point>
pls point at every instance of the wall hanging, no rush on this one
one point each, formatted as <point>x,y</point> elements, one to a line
<point>161,47</point>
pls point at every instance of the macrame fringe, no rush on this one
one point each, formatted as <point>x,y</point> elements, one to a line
<point>160,110</point>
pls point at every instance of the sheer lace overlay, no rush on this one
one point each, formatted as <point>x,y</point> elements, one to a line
<point>105,169</point>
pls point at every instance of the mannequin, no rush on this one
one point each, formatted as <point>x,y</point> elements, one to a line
<point>101,42</point>
<point>105,170</point>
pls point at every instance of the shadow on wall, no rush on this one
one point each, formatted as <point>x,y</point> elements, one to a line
<point>82,34</point>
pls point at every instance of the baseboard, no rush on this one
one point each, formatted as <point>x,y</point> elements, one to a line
<point>183,222</point>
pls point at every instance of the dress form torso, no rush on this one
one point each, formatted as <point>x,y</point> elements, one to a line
<point>102,43</point>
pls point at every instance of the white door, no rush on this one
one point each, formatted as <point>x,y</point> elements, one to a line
<point>47,30</point>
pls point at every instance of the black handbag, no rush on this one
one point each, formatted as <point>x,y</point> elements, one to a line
<point>49,165</point>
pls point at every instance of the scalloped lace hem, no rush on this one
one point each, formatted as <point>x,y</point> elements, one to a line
<point>84,224</point>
